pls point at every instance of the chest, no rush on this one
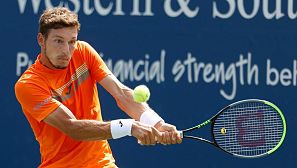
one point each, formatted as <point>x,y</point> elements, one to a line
<point>64,86</point>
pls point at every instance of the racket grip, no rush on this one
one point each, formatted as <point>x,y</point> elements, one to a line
<point>181,134</point>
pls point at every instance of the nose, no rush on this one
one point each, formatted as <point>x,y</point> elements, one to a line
<point>66,49</point>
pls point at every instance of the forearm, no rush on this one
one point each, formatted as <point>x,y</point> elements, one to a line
<point>64,120</point>
<point>124,98</point>
<point>86,130</point>
<point>89,130</point>
<point>126,103</point>
<point>139,111</point>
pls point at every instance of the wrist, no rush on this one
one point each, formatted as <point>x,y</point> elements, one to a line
<point>121,127</point>
<point>150,117</point>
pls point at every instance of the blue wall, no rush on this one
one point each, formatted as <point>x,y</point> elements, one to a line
<point>163,41</point>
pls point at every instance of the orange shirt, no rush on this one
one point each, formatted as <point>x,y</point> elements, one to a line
<point>41,90</point>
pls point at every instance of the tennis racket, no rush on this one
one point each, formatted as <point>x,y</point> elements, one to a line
<point>249,128</point>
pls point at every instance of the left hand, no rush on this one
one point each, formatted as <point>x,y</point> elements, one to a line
<point>170,135</point>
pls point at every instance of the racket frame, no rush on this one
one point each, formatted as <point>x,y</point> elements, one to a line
<point>212,122</point>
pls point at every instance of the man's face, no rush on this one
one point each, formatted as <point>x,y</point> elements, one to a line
<point>58,48</point>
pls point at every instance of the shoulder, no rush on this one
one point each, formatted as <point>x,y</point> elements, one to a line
<point>31,88</point>
<point>82,45</point>
<point>86,51</point>
<point>30,81</point>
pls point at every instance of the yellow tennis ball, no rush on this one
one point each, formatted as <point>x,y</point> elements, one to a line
<point>141,94</point>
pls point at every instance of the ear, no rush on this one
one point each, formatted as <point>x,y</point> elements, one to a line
<point>41,40</point>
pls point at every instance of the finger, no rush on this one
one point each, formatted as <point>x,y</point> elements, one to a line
<point>157,134</point>
<point>146,139</point>
<point>139,142</point>
<point>170,128</point>
<point>165,139</point>
<point>173,129</point>
<point>142,138</point>
<point>161,139</point>
<point>179,138</point>
<point>173,138</point>
<point>152,137</point>
<point>168,138</point>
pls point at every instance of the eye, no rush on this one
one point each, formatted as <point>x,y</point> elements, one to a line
<point>59,41</point>
<point>72,42</point>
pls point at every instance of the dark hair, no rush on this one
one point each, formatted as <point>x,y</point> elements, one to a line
<point>56,18</point>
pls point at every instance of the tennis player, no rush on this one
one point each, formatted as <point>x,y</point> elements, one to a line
<point>59,97</point>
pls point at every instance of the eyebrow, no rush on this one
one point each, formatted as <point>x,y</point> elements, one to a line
<point>57,36</point>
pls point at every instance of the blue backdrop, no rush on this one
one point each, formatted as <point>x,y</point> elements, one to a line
<point>175,47</point>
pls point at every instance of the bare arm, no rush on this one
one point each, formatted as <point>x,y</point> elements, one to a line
<point>123,97</point>
<point>86,130</point>
<point>63,119</point>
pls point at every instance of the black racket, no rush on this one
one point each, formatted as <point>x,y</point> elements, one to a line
<point>249,128</point>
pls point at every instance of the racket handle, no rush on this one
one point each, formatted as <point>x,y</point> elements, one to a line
<point>181,134</point>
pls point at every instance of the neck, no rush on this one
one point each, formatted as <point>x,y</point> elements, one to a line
<point>45,61</point>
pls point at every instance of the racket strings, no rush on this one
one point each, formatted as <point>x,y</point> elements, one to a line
<point>248,129</point>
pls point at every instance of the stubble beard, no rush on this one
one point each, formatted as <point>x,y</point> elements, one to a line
<point>55,66</point>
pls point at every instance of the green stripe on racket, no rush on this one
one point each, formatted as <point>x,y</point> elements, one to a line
<point>248,128</point>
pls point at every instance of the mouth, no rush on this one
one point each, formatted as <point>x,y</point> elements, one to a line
<point>64,58</point>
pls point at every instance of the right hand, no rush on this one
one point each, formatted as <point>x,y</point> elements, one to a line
<point>146,135</point>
